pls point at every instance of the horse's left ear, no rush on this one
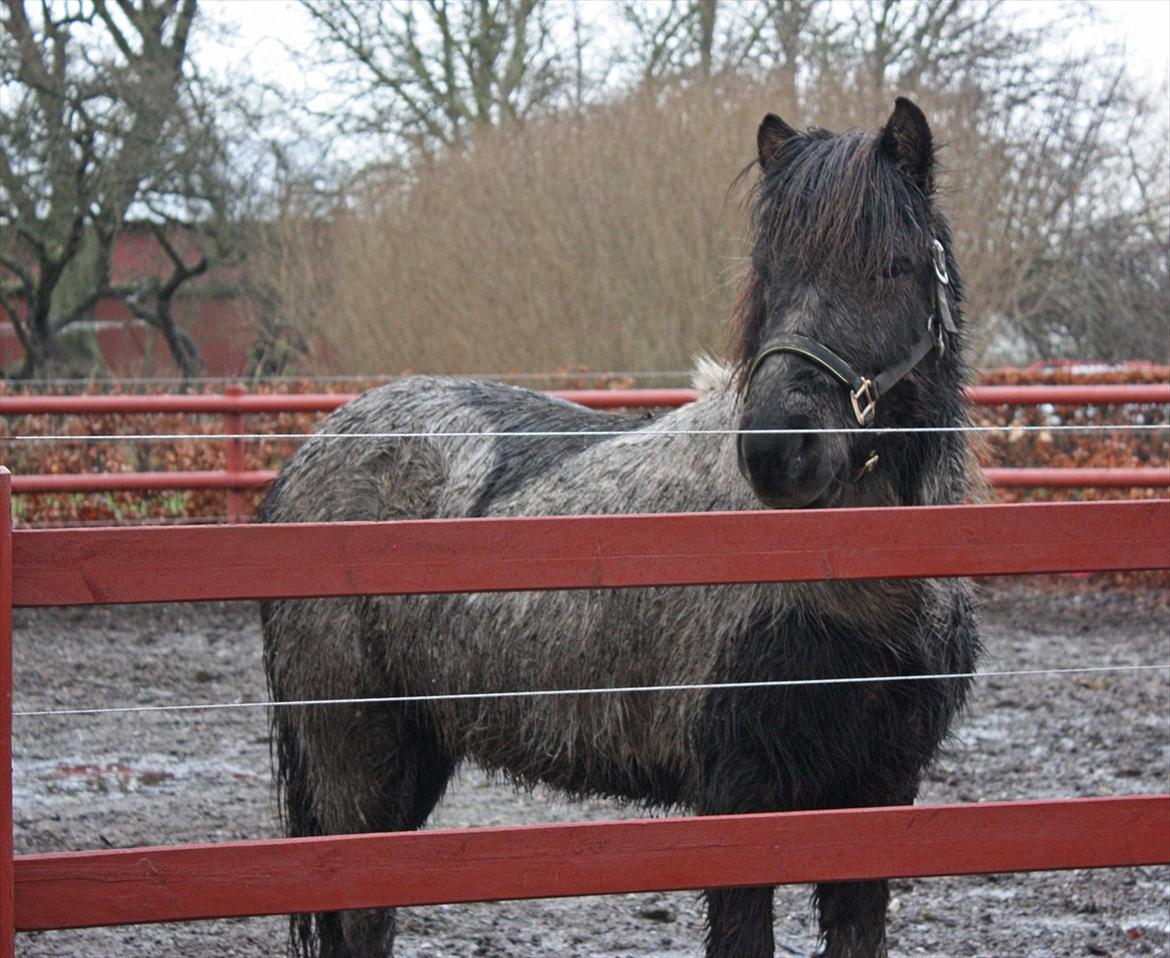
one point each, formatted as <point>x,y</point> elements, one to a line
<point>907,141</point>
<point>772,132</point>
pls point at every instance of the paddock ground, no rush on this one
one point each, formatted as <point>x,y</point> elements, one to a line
<point>114,781</point>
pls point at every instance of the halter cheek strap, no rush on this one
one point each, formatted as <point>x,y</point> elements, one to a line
<point>864,391</point>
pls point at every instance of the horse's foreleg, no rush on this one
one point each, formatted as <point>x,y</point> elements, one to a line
<point>739,923</point>
<point>853,918</point>
<point>739,920</point>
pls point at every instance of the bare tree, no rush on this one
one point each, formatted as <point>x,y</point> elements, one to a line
<point>692,39</point>
<point>909,45</point>
<point>1105,294</point>
<point>93,92</point>
<point>1098,284</point>
<point>432,71</point>
<point>800,37</point>
<point>204,201</point>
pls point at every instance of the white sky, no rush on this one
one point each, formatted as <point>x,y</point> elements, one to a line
<point>266,36</point>
<point>263,25</point>
<point>1144,27</point>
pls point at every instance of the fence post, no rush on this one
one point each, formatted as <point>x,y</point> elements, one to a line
<point>7,892</point>
<point>237,503</point>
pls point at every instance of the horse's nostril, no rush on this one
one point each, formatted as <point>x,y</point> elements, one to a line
<point>788,468</point>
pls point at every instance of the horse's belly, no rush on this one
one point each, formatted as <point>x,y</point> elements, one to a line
<point>584,750</point>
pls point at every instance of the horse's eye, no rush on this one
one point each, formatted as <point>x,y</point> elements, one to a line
<point>897,268</point>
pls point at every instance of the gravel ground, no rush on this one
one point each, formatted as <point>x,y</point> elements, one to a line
<point>123,780</point>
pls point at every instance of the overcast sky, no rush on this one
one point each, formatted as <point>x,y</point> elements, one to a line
<point>265,27</point>
<point>270,39</point>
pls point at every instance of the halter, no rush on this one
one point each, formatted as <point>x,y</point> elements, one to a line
<point>864,391</point>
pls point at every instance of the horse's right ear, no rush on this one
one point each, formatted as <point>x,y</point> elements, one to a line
<point>772,132</point>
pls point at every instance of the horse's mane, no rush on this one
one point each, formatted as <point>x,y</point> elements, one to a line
<point>827,204</point>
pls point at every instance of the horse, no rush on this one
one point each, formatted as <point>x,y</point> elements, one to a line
<point>847,329</point>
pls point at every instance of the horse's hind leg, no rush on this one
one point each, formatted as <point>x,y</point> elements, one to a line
<point>369,769</point>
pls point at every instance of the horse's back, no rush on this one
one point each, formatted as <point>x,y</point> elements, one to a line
<point>426,447</point>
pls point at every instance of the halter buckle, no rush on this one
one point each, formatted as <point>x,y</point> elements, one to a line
<point>864,392</point>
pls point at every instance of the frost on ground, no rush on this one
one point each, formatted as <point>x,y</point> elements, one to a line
<point>163,778</point>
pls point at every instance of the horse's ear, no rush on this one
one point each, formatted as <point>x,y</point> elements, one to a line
<point>907,141</point>
<point>772,132</point>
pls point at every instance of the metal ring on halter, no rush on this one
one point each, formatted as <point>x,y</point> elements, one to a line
<point>940,264</point>
<point>935,326</point>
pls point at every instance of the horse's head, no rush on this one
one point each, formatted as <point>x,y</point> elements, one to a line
<point>848,319</point>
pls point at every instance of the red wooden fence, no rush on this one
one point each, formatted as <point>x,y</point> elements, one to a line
<point>233,879</point>
<point>70,567</point>
<point>113,565</point>
<point>237,401</point>
<point>7,883</point>
<point>234,404</point>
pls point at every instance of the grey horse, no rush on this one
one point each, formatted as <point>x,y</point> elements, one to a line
<point>851,269</point>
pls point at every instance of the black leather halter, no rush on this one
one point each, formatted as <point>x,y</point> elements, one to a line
<point>865,391</point>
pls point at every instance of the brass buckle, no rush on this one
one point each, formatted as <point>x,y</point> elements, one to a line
<point>864,413</point>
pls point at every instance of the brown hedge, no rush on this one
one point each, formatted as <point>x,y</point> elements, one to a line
<point>1008,449</point>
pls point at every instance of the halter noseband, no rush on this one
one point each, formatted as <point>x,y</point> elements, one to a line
<point>864,391</point>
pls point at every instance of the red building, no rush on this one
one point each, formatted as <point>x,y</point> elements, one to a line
<point>209,307</point>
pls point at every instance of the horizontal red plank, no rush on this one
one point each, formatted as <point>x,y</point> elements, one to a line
<point>152,481</point>
<point>161,403</point>
<point>110,565</point>
<point>293,402</point>
<point>1151,477</point>
<point>1073,478</point>
<point>1069,395</point>
<point>596,398</point>
<point>179,883</point>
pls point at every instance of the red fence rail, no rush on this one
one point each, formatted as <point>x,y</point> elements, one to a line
<point>1063,478</point>
<point>7,882</point>
<point>234,404</point>
<point>116,565</point>
<point>72,567</point>
<point>235,879</point>
<point>239,402</point>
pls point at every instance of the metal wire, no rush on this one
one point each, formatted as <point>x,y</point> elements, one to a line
<point>689,687</point>
<point>578,433</point>
<point>372,378</point>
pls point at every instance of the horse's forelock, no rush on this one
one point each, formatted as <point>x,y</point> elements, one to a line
<point>836,203</point>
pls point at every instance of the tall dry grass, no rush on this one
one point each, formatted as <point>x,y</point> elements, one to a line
<point>609,240</point>
<point>615,239</point>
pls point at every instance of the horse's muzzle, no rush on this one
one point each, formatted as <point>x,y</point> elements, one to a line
<point>790,470</point>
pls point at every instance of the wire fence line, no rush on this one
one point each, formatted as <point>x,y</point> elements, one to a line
<point>618,690</point>
<point>640,434</point>
<point>357,378</point>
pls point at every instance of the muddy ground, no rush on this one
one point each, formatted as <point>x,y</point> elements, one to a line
<point>122,780</point>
